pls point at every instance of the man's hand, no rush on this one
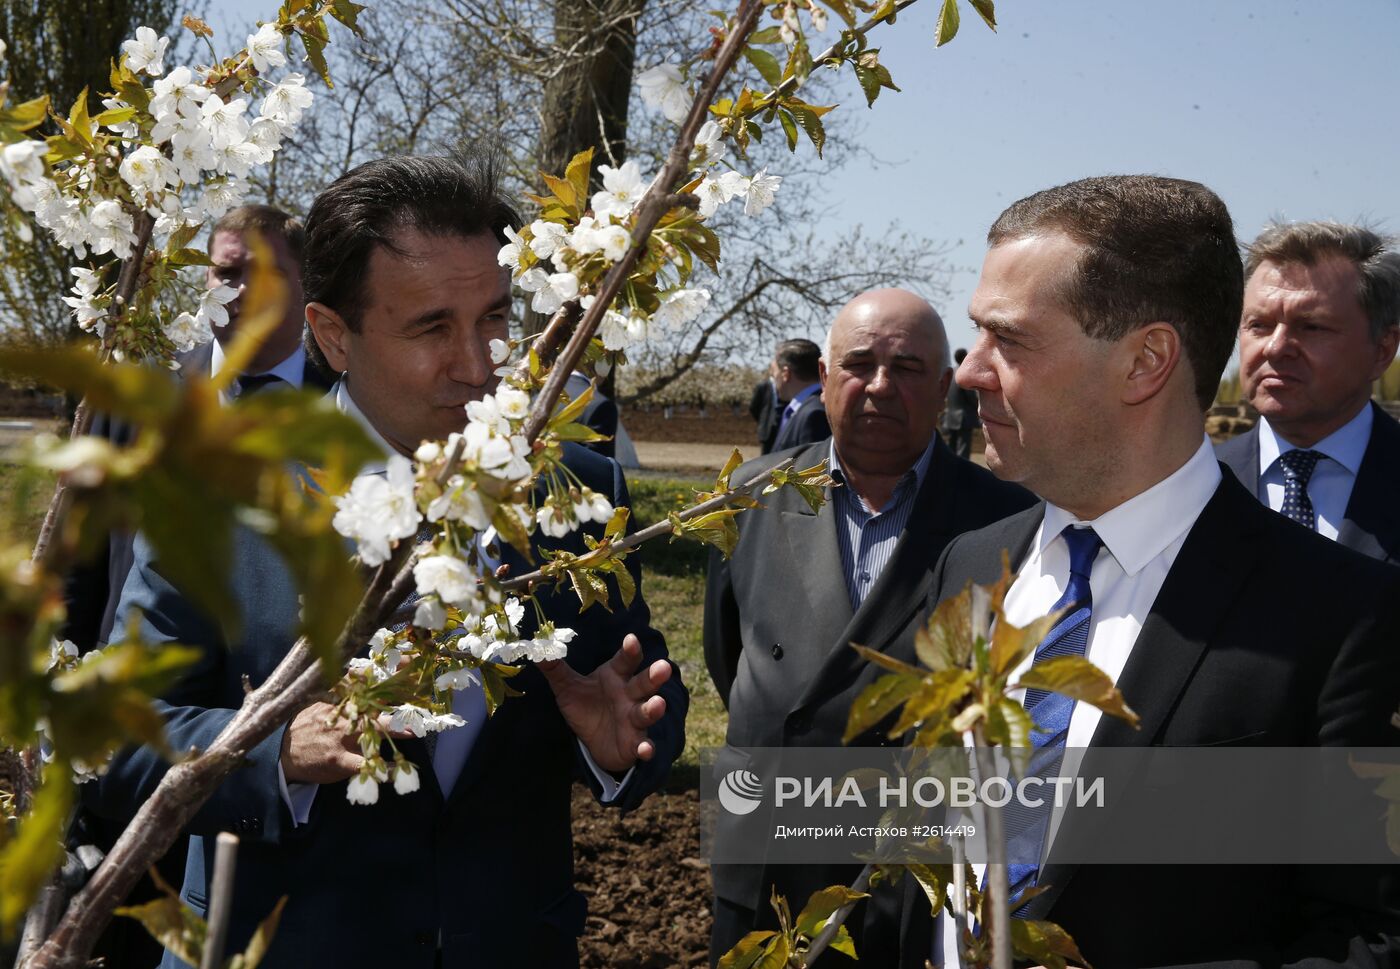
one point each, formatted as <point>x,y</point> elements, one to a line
<point>316,750</point>
<point>610,709</point>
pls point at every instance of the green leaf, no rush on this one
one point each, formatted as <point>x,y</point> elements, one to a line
<point>822,905</point>
<point>843,10</point>
<point>934,880</point>
<point>141,394</point>
<point>987,11</point>
<point>188,257</point>
<point>348,13</point>
<point>735,459</point>
<point>1045,944</point>
<point>747,951</point>
<point>36,848</point>
<point>581,433</point>
<point>947,639</point>
<point>617,525</point>
<point>877,701</point>
<point>947,26</point>
<point>885,661</point>
<point>1078,679</point>
<point>626,586</point>
<point>718,528</point>
<point>589,588</point>
<point>578,170</point>
<point>1012,644</point>
<point>799,63</point>
<point>26,115</point>
<point>316,54</point>
<point>262,938</point>
<point>768,35</point>
<point>766,64</point>
<point>198,569</point>
<point>78,117</point>
<point>811,123</point>
<point>789,127</point>
<point>116,116</point>
<point>936,701</point>
<point>173,924</point>
<point>572,410</point>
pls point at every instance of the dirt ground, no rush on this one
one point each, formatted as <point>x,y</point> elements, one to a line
<point>648,892</point>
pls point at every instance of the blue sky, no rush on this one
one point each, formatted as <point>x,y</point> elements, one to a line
<point>1285,108</point>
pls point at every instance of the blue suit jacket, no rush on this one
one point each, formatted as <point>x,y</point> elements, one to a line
<point>487,873</point>
<point>807,425</point>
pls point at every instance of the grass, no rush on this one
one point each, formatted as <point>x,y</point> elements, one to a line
<point>24,497</point>
<point>673,580</point>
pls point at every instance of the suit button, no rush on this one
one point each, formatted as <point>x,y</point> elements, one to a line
<point>777,650</point>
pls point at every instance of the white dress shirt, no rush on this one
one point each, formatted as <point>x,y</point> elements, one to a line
<point>452,746</point>
<point>1141,538</point>
<point>1332,480</point>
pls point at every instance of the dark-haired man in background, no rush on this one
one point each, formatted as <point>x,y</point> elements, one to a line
<point>795,379</point>
<point>1106,312</point>
<point>1320,325</point>
<point>475,869</point>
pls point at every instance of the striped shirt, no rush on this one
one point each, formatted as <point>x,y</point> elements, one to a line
<point>867,539</point>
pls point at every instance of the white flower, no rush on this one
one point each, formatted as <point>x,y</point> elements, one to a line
<point>411,719</point>
<point>510,252</point>
<point>761,189</point>
<point>23,161</point>
<point>681,306</point>
<point>363,789</point>
<point>429,614</point>
<point>619,332</point>
<point>712,194</point>
<point>663,87</point>
<point>405,778</point>
<point>213,310</point>
<point>379,510</point>
<point>127,129</point>
<point>459,679</point>
<point>554,521</point>
<point>384,652</point>
<point>448,578</point>
<point>62,654</point>
<point>533,280</point>
<point>147,170</point>
<point>265,49</point>
<point>2,50</point>
<point>546,237</point>
<point>146,52</point>
<point>500,349</point>
<point>85,311</point>
<point>286,102</point>
<point>178,92</point>
<point>485,411</point>
<point>436,722</point>
<point>187,332</point>
<point>459,502</point>
<point>549,643</point>
<point>219,197</point>
<point>622,187</point>
<point>513,404</point>
<point>818,18</point>
<point>709,144</point>
<point>224,120</point>
<point>614,241</point>
<point>88,281</point>
<point>111,229</point>
<point>266,134</point>
<point>428,452</point>
<point>592,507</point>
<point>240,158</point>
<point>515,612</point>
<point>559,288</point>
<point>484,448</point>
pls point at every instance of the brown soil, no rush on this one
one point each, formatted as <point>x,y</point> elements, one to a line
<point>648,892</point>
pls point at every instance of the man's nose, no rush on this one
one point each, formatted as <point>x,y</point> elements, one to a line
<point>1282,342</point>
<point>974,373</point>
<point>882,383</point>
<point>470,363</point>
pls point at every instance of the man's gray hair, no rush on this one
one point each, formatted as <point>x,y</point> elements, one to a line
<point>1376,260</point>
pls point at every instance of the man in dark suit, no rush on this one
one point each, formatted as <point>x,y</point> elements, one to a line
<point>796,380</point>
<point>765,410</point>
<point>960,417</point>
<point>405,295</point>
<point>1106,310</point>
<point>1320,325</point>
<point>800,587</point>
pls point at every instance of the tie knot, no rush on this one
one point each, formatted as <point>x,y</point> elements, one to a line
<point>1299,464</point>
<point>251,383</point>
<point>1084,545</point>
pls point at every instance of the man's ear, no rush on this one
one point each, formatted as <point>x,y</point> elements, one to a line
<point>330,333</point>
<point>1385,351</point>
<point>1156,352</point>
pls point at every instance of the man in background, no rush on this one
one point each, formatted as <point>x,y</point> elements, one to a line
<point>781,612</point>
<point>765,409</point>
<point>796,380</point>
<point>960,417</point>
<point>1320,325</point>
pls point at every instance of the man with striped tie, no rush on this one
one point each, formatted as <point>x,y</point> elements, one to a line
<point>1320,325</point>
<point>1106,312</point>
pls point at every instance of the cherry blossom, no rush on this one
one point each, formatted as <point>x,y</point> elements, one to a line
<point>265,49</point>
<point>146,52</point>
<point>622,187</point>
<point>663,87</point>
<point>379,510</point>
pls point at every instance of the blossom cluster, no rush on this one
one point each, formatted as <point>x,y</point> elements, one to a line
<point>180,151</point>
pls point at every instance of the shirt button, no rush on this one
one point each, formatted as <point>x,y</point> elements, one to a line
<point>777,650</point>
<point>864,576</point>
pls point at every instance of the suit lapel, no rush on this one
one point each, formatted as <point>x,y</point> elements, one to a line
<point>1199,591</point>
<point>1241,455</point>
<point>1371,525</point>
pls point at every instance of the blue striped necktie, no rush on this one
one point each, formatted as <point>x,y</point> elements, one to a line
<point>1298,467</point>
<point>1027,827</point>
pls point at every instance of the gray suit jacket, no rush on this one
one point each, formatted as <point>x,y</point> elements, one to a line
<point>778,624</point>
<point>1371,525</point>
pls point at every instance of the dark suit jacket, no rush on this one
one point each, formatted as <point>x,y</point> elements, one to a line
<point>1266,634</point>
<point>488,870</point>
<point>1371,525</point>
<point>764,409</point>
<point>807,425</point>
<point>778,623</point>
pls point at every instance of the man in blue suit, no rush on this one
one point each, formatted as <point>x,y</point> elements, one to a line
<point>803,420</point>
<point>476,867</point>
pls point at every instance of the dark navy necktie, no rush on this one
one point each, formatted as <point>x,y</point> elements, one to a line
<point>1298,466</point>
<point>254,382</point>
<point>1027,827</point>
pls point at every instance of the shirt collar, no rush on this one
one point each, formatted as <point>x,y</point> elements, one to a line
<point>1346,445</point>
<point>801,396</point>
<point>346,405</point>
<point>917,473</point>
<point>1141,528</point>
<point>292,369</point>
